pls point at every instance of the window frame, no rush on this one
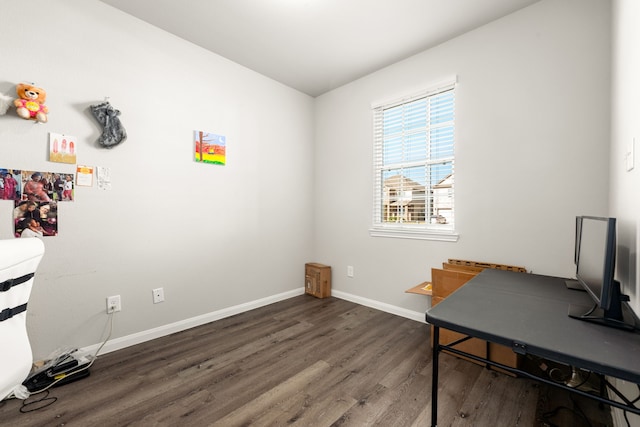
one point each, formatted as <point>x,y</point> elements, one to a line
<point>425,231</point>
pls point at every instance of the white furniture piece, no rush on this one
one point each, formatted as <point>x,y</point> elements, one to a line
<point>19,259</point>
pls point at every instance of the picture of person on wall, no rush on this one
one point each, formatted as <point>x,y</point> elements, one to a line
<point>45,214</point>
<point>9,186</point>
<point>42,186</point>
<point>67,194</point>
<point>34,188</point>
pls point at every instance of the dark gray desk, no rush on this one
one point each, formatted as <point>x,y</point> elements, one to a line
<point>528,313</point>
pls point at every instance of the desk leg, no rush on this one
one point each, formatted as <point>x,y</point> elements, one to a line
<point>434,377</point>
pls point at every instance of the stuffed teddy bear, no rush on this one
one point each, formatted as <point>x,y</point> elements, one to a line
<point>30,103</point>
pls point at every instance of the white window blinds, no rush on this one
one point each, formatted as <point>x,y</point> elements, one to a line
<point>414,162</point>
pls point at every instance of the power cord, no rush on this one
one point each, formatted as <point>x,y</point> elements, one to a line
<point>576,410</point>
<point>93,359</point>
<point>558,374</point>
<point>61,377</point>
<point>626,418</point>
<point>26,406</point>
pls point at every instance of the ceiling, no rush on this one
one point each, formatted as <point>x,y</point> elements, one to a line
<point>317,45</point>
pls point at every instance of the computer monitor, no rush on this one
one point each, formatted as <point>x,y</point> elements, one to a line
<point>595,256</point>
<point>572,283</point>
<point>577,242</point>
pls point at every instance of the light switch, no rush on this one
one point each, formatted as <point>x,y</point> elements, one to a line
<point>630,157</point>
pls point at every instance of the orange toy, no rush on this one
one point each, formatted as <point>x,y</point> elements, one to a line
<point>30,103</point>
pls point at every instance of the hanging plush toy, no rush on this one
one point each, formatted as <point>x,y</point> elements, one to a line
<point>30,103</point>
<point>113,132</point>
<point>5,102</point>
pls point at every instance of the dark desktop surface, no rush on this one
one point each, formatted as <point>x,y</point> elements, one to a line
<point>529,312</point>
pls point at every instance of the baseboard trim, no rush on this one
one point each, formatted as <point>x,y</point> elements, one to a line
<point>182,325</point>
<point>388,308</point>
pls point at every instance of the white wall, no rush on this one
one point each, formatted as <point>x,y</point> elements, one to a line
<point>214,237</point>
<point>532,143</point>
<point>625,185</point>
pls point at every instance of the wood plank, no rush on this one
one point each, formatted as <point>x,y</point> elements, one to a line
<point>423,288</point>
<point>483,265</point>
<point>445,282</point>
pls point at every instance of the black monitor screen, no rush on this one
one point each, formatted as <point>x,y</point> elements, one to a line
<point>577,241</point>
<point>596,257</point>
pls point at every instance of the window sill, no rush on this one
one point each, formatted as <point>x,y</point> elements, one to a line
<point>438,235</point>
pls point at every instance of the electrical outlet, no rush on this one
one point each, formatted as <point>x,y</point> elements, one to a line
<point>349,271</point>
<point>158,295</point>
<point>113,304</point>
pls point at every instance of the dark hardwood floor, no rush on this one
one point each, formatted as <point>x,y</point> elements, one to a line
<point>303,361</point>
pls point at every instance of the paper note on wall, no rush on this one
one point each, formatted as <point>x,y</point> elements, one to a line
<point>104,177</point>
<point>84,176</point>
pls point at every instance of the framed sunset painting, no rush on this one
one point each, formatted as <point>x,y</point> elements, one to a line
<point>210,148</point>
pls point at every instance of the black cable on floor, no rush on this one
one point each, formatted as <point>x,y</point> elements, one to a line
<point>546,417</point>
<point>44,401</point>
<point>626,418</point>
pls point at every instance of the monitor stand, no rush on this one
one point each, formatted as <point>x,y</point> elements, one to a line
<point>574,285</point>
<point>597,315</point>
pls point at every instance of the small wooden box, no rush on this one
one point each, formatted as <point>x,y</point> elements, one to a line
<point>317,280</point>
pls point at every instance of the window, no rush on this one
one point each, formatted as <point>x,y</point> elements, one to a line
<point>414,166</point>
